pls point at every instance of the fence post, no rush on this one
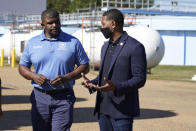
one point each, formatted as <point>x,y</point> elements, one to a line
<point>2,58</point>
<point>13,58</point>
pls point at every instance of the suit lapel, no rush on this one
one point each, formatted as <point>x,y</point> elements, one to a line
<point>103,54</point>
<point>118,49</point>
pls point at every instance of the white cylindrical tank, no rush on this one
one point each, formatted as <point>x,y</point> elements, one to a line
<point>151,39</point>
<point>16,40</point>
<point>92,43</point>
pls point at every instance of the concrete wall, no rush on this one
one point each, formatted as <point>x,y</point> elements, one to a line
<point>180,47</point>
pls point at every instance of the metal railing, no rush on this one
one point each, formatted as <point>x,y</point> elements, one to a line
<point>165,5</point>
<point>129,6</point>
<point>126,4</point>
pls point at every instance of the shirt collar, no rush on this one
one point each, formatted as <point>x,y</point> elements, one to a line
<point>43,36</point>
<point>115,42</point>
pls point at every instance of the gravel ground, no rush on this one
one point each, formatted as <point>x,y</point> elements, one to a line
<point>165,105</point>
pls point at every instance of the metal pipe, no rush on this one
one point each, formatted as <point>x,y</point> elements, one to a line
<point>184,48</point>
<point>142,4</point>
<point>135,4</point>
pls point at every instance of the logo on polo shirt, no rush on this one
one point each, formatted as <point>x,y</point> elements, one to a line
<point>61,46</point>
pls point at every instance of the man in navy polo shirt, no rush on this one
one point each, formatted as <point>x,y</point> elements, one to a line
<point>53,55</point>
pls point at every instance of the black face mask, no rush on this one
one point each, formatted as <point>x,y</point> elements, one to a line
<point>106,32</point>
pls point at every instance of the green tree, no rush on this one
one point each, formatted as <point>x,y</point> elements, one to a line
<point>68,6</point>
<point>62,6</point>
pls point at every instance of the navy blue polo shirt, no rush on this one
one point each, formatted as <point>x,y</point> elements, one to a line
<point>53,57</point>
<point>107,62</point>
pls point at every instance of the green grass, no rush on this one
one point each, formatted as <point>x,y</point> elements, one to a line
<point>165,72</point>
<point>172,73</point>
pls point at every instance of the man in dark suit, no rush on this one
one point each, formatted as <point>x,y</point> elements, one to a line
<point>122,72</point>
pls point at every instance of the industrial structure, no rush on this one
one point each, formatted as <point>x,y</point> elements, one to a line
<point>175,20</point>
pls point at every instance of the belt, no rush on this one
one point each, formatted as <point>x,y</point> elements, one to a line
<point>52,91</point>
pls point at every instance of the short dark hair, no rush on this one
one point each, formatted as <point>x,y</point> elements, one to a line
<point>49,13</point>
<point>116,15</point>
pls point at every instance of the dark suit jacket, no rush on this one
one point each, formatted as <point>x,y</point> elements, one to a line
<point>128,73</point>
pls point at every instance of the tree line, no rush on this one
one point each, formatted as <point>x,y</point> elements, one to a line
<point>70,6</point>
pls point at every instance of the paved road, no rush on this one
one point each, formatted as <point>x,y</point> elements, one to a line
<point>165,105</point>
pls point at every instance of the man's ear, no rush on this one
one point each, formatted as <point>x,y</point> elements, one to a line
<point>113,24</point>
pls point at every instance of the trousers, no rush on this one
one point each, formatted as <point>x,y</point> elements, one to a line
<point>106,123</point>
<point>52,112</point>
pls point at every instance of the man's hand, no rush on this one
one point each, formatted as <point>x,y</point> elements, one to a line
<point>39,79</point>
<point>109,86</point>
<point>86,82</point>
<point>60,80</point>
